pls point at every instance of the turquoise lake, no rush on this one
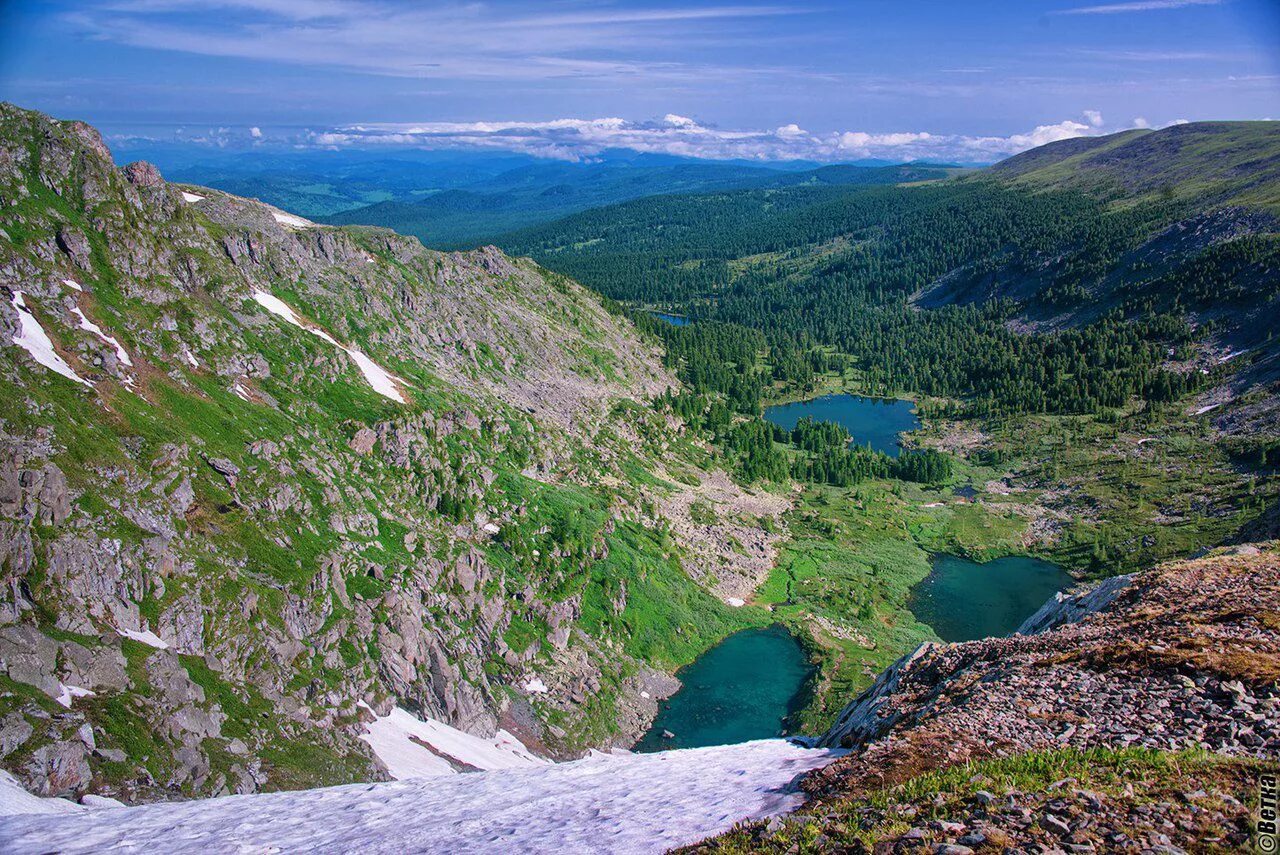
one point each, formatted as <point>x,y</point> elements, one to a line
<point>870,421</point>
<point>963,600</point>
<point>742,689</point>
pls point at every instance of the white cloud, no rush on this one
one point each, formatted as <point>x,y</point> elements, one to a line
<point>1140,122</point>
<point>581,139</point>
<point>256,133</point>
<point>1136,6</point>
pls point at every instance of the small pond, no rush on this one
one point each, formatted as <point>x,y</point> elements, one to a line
<point>674,320</point>
<point>963,600</point>
<point>742,689</point>
<point>870,421</point>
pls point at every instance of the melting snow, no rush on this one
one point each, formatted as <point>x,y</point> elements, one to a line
<point>86,324</point>
<point>72,284</point>
<point>534,684</point>
<point>736,602</point>
<point>1206,409</point>
<point>291,221</point>
<point>191,358</point>
<point>14,799</point>
<point>94,800</point>
<point>146,636</point>
<point>382,382</point>
<point>69,692</point>
<point>191,197</point>
<point>397,739</point>
<point>241,392</point>
<point>632,803</point>
<point>34,340</point>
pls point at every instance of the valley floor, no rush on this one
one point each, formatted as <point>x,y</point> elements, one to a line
<point>630,803</point>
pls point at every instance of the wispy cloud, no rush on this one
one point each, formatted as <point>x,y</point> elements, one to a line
<point>465,41</point>
<point>1136,6</point>
<point>584,139</point>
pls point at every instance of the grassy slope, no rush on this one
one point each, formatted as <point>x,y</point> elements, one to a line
<point>1219,162</point>
<point>1130,791</point>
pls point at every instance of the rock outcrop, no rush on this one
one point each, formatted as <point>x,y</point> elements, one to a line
<point>306,467</point>
<point>1183,656</point>
<point>1135,716</point>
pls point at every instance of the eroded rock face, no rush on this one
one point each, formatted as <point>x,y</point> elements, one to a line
<point>236,538</point>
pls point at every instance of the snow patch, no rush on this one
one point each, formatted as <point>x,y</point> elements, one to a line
<point>72,284</point>
<point>34,340</point>
<point>69,693</point>
<point>241,392</point>
<point>291,221</point>
<point>534,684</point>
<point>146,636</point>
<point>736,602</point>
<point>630,803</point>
<point>397,739</point>
<point>383,383</point>
<point>491,528</point>
<point>86,324</point>
<point>191,359</point>
<point>1206,409</point>
<point>191,197</point>
<point>95,801</point>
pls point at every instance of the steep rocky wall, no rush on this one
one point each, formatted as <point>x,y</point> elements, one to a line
<point>308,467</point>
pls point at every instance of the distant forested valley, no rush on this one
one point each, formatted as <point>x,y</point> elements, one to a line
<point>931,288</point>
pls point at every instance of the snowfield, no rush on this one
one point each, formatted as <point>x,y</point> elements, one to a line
<point>291,221</point>
<point>32,338</point>
<point>90,326</point>
<point>146,636</point>
<point>401,742</point>
<point>628,803</point>
<point>383,382</point>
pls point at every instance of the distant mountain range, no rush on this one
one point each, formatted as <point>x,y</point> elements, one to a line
<point>462,199</point>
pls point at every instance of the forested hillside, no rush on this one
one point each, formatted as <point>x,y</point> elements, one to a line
<point>1113,275</point>
<point>477,213</point>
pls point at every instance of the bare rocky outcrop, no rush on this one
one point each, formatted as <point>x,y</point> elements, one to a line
<point>1183,656</point>
<point>225,547</point>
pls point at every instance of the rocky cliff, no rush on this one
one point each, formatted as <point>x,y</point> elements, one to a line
<point>254,472</point>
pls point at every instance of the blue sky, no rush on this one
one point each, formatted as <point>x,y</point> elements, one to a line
<point>569,78</point>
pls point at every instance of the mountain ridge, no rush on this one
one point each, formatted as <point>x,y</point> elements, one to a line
<point>336,473</point>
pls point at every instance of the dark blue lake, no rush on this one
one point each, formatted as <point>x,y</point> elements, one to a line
<point>870,421</point>
<point>674,320</point>
<point>963,600</point>
<point>742,689</point>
